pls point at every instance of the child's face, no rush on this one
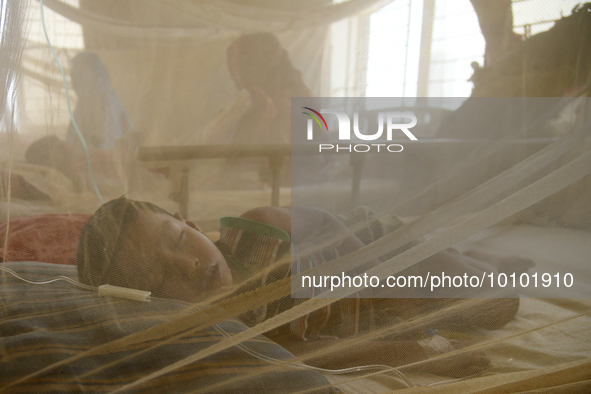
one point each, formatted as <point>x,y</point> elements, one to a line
<point>172,258</point>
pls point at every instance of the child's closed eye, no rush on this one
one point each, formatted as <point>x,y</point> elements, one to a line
<point>177,244</point>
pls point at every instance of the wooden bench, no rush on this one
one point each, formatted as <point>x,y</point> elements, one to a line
<point>180,157</point>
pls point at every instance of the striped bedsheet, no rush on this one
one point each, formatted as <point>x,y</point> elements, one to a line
<point>43,324</point>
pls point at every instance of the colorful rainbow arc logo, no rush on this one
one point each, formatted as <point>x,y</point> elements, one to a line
<point>315,117</point>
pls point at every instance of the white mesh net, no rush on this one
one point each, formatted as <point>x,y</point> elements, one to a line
<point>195,155</point>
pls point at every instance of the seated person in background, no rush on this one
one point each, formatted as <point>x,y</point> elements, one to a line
<point>105,126</point>
<point>259,64</point>
<point>140,245</point>
<point>99,114</point>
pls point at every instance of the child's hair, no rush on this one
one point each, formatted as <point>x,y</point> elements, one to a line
<point>102,237</point>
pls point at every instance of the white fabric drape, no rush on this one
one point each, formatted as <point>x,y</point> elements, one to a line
<point>196,19</point>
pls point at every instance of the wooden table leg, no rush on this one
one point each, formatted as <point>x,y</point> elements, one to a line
<point>184,193</point>
<point>276,165</point>
<point>357,164</point>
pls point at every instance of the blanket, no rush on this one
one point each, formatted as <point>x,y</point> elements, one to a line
<point>43,324</point>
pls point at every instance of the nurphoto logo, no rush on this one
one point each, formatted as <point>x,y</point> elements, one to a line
<point>394,122</point>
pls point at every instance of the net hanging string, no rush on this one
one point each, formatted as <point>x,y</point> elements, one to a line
<point>9,184</point>
<point>12,96</point>
<point>94,185</point>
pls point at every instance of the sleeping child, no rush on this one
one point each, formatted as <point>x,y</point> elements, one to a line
<point>140,245</point>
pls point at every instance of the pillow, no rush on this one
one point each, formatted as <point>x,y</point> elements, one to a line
<point>44,324</point>
<point>51,238</point>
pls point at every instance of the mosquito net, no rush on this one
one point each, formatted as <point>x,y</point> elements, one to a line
<point>360,196</point>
